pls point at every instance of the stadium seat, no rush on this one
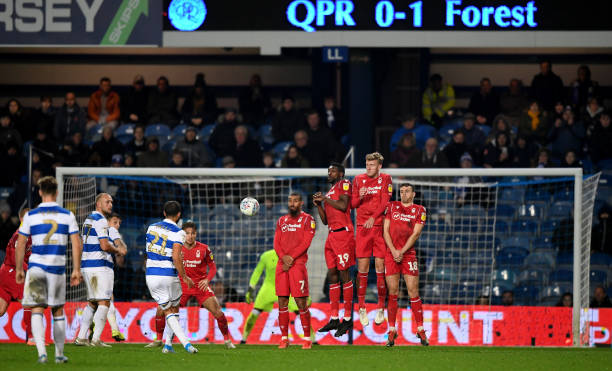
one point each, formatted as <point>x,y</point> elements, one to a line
<point>597,277</point>
<point>565,260</point>
<point>526,295</point>
<point>548,227</point>
<point>423,132</point>
<point>540,260</point>
<point>561,275</point>
<point>532,210</point>
<point>505,278</point>
<point>158,130</point>
<point>178,131</point>
<point>600,261</point>
<point>516,241</point>
<point>5,192</point>
<point>169,145</point>
<point>504,211</point>
<point>496,294</point>
<point>537,195</point>
<point>345,140</point>
<point>511,257</point>
<point>280,210</point>
<point>485,129</point>
<point>560,209</point>
<point>551,294</point>
<point>563,195</point>
<point>458,241</point>
<point>471,211</point>
<point>465,225</point>
<point>512,194</point>
<point>205,132</point>
<point>501,228</point>
<point>226,209</point>
<point>93,134</point>
<point>266,139</point>
<point>125,133</point>
<point>609,291</point>
<point>524,227</point>
<point>279,149</point>
<point>201,211</point>
<point>537,277</point>
<point>136,259</point>
<point>445,274</point>
<point>543,243</point>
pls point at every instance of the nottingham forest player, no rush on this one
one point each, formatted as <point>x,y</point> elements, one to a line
<point>403,224</point>
<point>371,193</point>
<point>335,211</point>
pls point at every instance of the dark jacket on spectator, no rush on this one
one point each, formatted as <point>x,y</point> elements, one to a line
<point>248,155</point>
<point>338,125</point>
<point>162,107</point>
<point>286,123</point>
<point>12,164</point>
<point>600,143</point>
<point>408,157</point>
<point>327,149</point>
<point>453,152</point>
<point>254,104</point>
<point>134,102</point>
<point>10,134</point>
<point>298,162</point>
<point>106,149</point>
<point>547,89</point>
<point>512,105</point>
<point>567,138</point>
<point>194,152</point>
<point>25,123</point>
<point>437,161</point>
<point>136,148</point>
<point>69,121</point>
<point>152,159</point>
<point>492,153</point>
<point>475,140</point>
<point>222,139</point>
<point>202,106</point>
<point>73,154</point>
<point>485,105</point>
<point>540,134</point>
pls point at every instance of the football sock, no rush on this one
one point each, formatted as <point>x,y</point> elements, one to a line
<point>173,323</point>
<point>392,310</point>
<point>248,326</point>
<point>222,323</point>
<point>167,334</point>
<point>305,319</point>
<point>382,289</point>
<point>283,320</point>
<point>38,331</point>
<point>59,334</point>
<point>86,317</point>
<point>417,310</point>
<point>334,299</point>
<point>112,318</point>
<point>347,292</point>
<point>160,325</point>
<point>99,321</point>
<point>27,319</point>
<point>361,290</point>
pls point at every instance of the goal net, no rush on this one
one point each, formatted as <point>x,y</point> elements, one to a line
<point>490,233</point>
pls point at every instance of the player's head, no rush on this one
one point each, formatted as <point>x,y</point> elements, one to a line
<point>22,213</point>
<point>191,232</point>
<point>104,204</point>
<point>407,193</point>
<point>114,221</point>
<point>374,163</point>
<point>295,203</point>
<point>335,172</point>
<point>47,188</point>
<point>172,210</point>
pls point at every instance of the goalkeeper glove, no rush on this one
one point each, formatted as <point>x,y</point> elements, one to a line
<point>249,295</point>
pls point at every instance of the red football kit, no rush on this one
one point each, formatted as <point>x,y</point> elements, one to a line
<point>199,264</point>
<point>402,220</point>
<point>9,289</point>
<point>378,193</point>
<point>340,244</point>
<point>292,237</point>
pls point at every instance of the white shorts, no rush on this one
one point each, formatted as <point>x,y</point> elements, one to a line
<point>43,289</point>
<point>165,290</point>
<point>99,283</point>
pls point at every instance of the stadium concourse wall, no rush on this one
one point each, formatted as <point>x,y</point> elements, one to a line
<point>445,325</point>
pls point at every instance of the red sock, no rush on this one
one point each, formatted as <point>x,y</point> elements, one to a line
<point>27,320</point>
<point>392,310</point>
<point>361,290</point>
<point>160,325</point>
<point>283,320</point>
<point>222,322</point>
<point>334,299</point>
<point>382,289</point>
<point>305,319</point>
<point>347,292</point>
<point>417,310</point>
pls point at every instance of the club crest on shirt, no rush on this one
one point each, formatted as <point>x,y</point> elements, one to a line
<point>313,225</point>
<point>390,188</point>
<point>379,180</point>
<point>413,210</point>
<point>197,253</point>
<point>211,256</point>
<point>345,186</point>
<point>423,217</point>
<point>300,220</point>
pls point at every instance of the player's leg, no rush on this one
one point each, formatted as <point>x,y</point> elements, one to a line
<point>380,250</point>
<point>3,304</point>
<point>363,250</point>
<point>298,287</point>
<point>393,286</point>
<point>112,321</point>
<point>99,320</point>
<point>35,296</point>
<point>412,284</point>
<point>160,325</point>
<point>27,321</point>
<point>103,291</point>
<point>283,318</point>
<point>347,291</point>
<point>212,305</point>
<point>173,292</point>
<point>334,299</point>
<point>88,311</point>
<point>302,304</point>
<point>59,333</point>
<point>38,332</point>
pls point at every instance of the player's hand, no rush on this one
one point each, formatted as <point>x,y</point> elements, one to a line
<point>249,295</point>
<point>19,276</point>
<point>362,192</point>
<point>203,285</point>
<point>287,259</point>
<point>121,251</point>
<point>188,281</point>
<point>317,198</point>
<point>399,257</point>
<point>369,223</point>
<point>76,277</point>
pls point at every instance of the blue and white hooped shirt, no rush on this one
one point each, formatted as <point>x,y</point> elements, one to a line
<point>161,237</point>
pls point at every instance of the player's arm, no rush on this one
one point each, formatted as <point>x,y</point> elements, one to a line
<point>19,254</point>
<point>317,200</point>
<point>286,259</point>
<point>356,199</point>
<point>104,239</point>
<point>212,270</point>
<point>388,240</point>
<point>307,236</point>
<point>77,252</point>
<point>416,233</point>
<point>177,259</point>
<point>340,204</point>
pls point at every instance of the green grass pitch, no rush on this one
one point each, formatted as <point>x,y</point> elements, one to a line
<point>261,357</point>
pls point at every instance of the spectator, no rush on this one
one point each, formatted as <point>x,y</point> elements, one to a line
<point>117,160</point>
<point>19,197</point>
<point>247,152</point>
<point>557,112</point>
<point>546,87</point>
<point>600,298</point>
<point>70,118</point>
<point>321,138</point>
<point>45,115</point>
<point>22,119</point>
<point>287,121</point>
<point>74,152</point>
<point>162,104</point>
<point>583,88</point>
<point>501,124</point>
<point>268,160</point>
<point>534,124</point>
<point>106,147</point>
<point>438,100</point>
<point>293,158</point>
<point>254,102</point>
<point>103,107</point>
<point>12,164</point>
<point>601,240</point>
<point>542,159</point>
<point>455,149</point>
<point>333,118</point>
<point>222,139</point>
<point>570,160</point>
<point>467,195</point>
<point>7,225</point>
<point>567,135</point>
<point>153,157</point>
<point>524,153</point>
<point>407,155</point>
<point>513,102</point>
<point>566,301</point>
<point>200,106</point>
<point>134,102</point>
<point>138,144</point>
<point>484,104</point>
<point>129,160</point>
<point>45,147</point>
<point>591,113</point>
<point>507,298</point>
<point>600,140</point>
<point>303,145</point>
<point>8,133</point>
<point>195,153</point>
<point>475,138</point>
<point>408,125</point>
<point>499,152</point>
<point>432,157</point>
<point>177,159</point>
<point>228,162</point>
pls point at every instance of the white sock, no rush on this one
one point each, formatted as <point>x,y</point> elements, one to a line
<point>59,334</point>
<point>88,313</point>
<point>391,328</point>
<point>172,322</point>
<point>38,331</point>
<point>112,319</point>
<point>99,321</point>
<point>168,334</point>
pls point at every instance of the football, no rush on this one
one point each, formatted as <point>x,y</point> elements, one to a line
<point>249,206</point>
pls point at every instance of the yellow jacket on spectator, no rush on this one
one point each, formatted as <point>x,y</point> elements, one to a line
<point>438,102</point>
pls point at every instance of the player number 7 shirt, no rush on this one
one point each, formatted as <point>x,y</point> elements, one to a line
<point>293,236</point>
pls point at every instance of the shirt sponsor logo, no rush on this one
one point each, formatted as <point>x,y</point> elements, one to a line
<point>191,263</point>
<point>290,227</point>
<point>402,217</point>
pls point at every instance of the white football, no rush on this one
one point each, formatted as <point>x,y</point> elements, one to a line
<point>249,206</point>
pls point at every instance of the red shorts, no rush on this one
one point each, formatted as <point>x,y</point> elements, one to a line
<point>370,242</point>
<point>201,296</point>
<point>408,265</point>
<point>294,282</point>
<point>340,250</point>
<point>9,289</point>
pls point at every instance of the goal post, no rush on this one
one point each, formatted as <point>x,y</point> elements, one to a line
<point>200,186</point>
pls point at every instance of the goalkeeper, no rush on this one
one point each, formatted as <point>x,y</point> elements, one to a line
<point>266,297</point>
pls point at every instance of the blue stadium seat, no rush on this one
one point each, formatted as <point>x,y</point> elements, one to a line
<point>537,195</point>
<point>136,259</point>
<point>465,225</point>
<point>471,211</point>
<point>505,278</point>
<point>496,294</point>
<point>563,195</point>
<point>280,148</point>
<point>125,129</point>
<point>201,211</point>
<point>565,259</point>
<point>280,210</point>
<point>597,277</point>
<point>512,194</point>
<point>158,130</point>
<point>540,260</point>
<point>560,209</point>
<point>169,145</point>
<point>600,261</point>
<point>543,243</point>
<point>93,135</point>
<point>551,294</point>
<point>609,291</point>
<point>501,227</point>
<point>537,277</point>
<point>504,210</point>
<point>5,192</point>
<point>561,275</point>
<point>532,210</point>
<point>511,257</point>
<point>445,274</point>
<point>548,226</point>
<point>179,131</point>
<point>266,139</point>
<point>458,241</point>
<point>346,141</point>
<point>205,132</point>
<point>526,295</point>
<point>485,129</point>
<point>423,132</point>
<point>524,227</point>
<point>516,241</point>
